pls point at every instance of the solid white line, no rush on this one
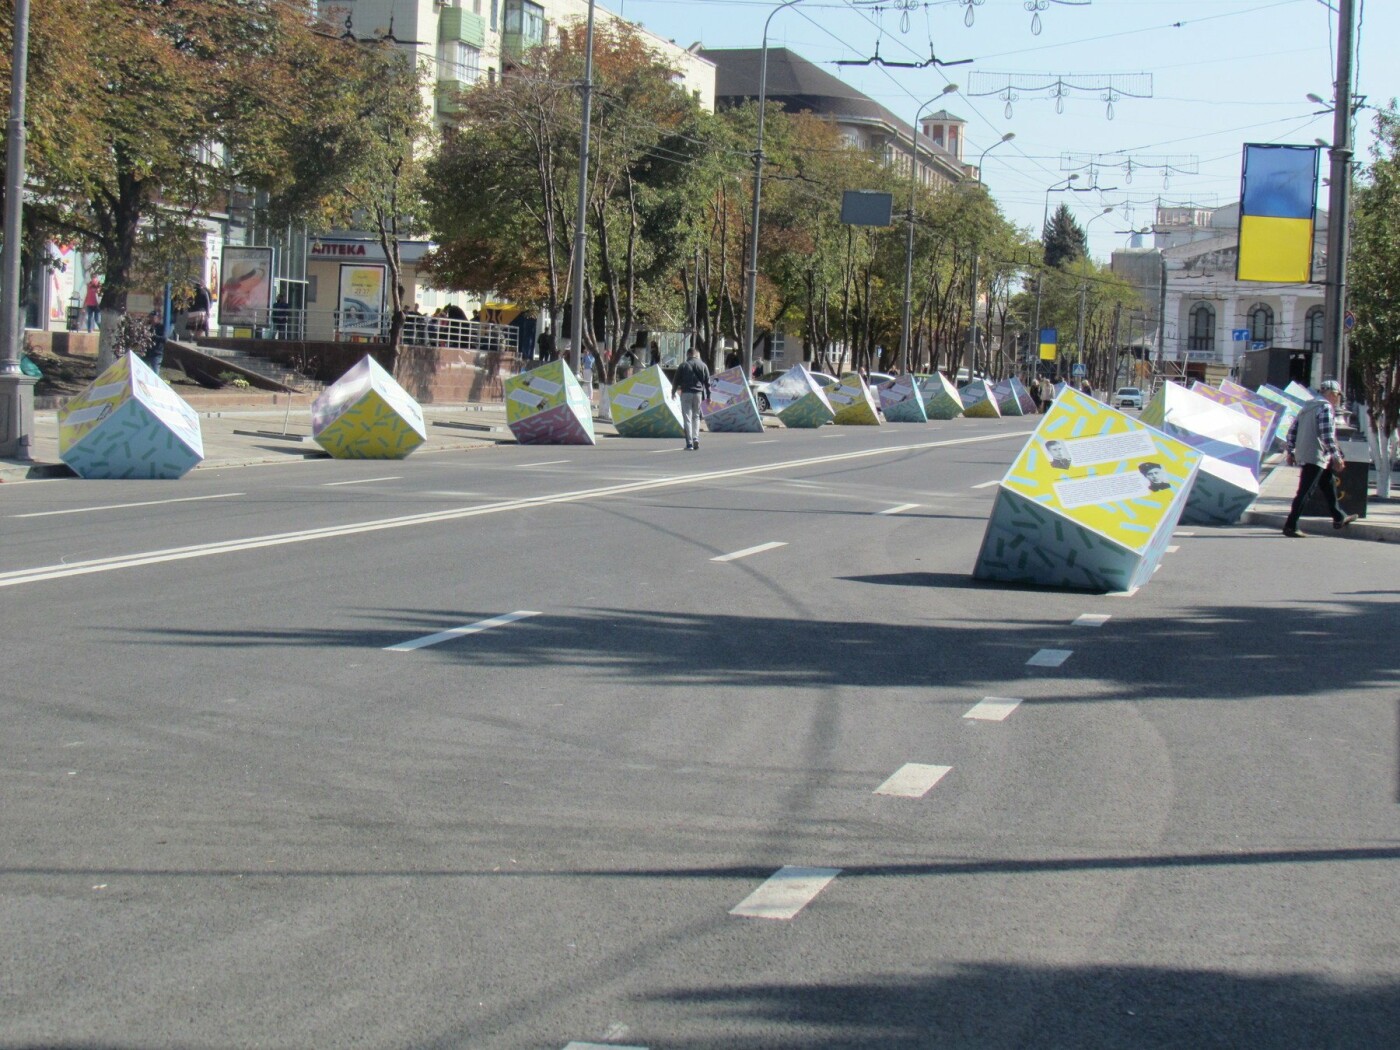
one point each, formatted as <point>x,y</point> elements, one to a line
<point>763,441</point>
<point>1173,549</point>
<point>992,708</point>
<point>459,632</point>
<point>546,463</point>
<point>202,550</point>
<point>913,780</point>
<point>361,481</point>
<point>749,550</point>
<point>661,451</point>
<point>1050,658</point>
<point>1091,620</point>
<point>576,1045</point>
<point>987,484</point>
<point>785,893</point>
<point>897,510</point>
<point>124,506</point>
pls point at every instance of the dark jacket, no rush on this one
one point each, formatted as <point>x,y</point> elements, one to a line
<point>692,378</point>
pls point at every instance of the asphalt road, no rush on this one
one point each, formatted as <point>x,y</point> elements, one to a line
<point>251,797</point>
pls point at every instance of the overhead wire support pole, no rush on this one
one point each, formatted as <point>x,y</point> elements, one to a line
<point>751,297</point>
<point>580,230</point>
<point>904,332</point>
<point>16,388</point>
<point>1339,198</point>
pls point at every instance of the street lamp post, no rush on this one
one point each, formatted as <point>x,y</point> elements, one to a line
<point>1339,197</point>
<point>999,142</point>
<point>16,388</point>
<point>752,294</point>
<point>1040,277</point>
<point>580,231</point>
<point>909,229</point>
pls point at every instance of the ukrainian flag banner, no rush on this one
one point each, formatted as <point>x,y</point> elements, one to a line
<point>1278,206</point>
<point>1049,343</point>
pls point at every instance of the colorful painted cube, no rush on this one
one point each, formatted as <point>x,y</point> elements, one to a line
<point>643,406</point>
<point>853,402</point>
<point>1280,427</point>
<point>366,415</point>
<point>807,406</point>
<point>1013,399</point>
<point>941,397</point>
<point>901,400</point>
<point>979,401</point>
<point>1090,502</point>
<point>1299,393</point>
<point>1286,404</point>
<point>548,406</point>
<point>732,407</point>
<point>129,423</point>
<point>1227,483</point>
<point>1267,416</point>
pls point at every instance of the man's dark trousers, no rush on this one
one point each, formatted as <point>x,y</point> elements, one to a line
<point>1308,477</point>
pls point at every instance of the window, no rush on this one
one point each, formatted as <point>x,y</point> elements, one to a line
<point>522,27</point>
<point>458,62</point>
<point>1261,325</point>
<point>1201,331</point>
<point>1312,330</point>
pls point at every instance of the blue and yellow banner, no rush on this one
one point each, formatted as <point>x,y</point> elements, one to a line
<point>1049,343</point>
<point>1278,206</point>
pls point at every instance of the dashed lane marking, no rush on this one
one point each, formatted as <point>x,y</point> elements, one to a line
<point>987,484</point>
<point>460,632</point>
<point>1050,658</point>
<point>124,506</point>
<point>787,892</point>
<point>913,780</point>
<point>993,708</point>
<point>359,481</point>
<point>750,550</point>
<point>898,510</point>
<point>1091,620</point>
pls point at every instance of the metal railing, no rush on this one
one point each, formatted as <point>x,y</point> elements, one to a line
<point>286,323</point>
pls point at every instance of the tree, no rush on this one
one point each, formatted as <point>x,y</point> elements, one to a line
<point>161,107</point>
<point>1064,239</point>
<point>1375,292</point>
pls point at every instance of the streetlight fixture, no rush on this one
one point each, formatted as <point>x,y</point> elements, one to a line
<point>1002,141</point>
<point>909,228</point>
<point>752,297</point>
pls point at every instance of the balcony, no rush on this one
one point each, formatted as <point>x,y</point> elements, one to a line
<point>462,25</point>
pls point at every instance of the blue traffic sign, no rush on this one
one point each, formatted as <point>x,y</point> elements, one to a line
<point>1239,335</point>
<point>1078,371</point>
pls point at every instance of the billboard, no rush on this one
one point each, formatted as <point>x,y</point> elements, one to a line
<point>245,286</point>
<point>360,304</point>
<point>1278,203</point>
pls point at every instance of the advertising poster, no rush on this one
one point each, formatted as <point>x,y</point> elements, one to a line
<point>361,299</point>
<point>244,286</point>
<point>62,260</point>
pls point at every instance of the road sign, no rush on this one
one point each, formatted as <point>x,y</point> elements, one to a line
<point>1239,335</point>
<point>1349,320</point>
<point>1078,371</point>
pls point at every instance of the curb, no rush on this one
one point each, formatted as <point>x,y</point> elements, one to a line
<point>1358,530</point>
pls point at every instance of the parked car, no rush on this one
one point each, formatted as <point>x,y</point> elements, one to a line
<point>770,401</point>
<point>1127,397</point>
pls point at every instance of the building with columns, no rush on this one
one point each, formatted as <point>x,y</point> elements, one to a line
<point>1209,317</point>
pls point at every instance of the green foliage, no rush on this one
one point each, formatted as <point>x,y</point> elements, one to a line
<point>1374,276</point>
<point>233,379</point>
<point>1064,239</point>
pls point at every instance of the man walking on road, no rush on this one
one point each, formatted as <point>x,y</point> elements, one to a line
<point>1312,445</point>
<point>692,382</point>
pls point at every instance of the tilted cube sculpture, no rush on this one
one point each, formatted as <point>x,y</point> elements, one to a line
<point>853,402</point>
<point>941,397</point>
<point>901,401</point>
<point>732,407</point>
<point>366,415</point>
<point>1013,399</point>
<point>1288,405</point>
<point>1281,419</point>
<point>1229,441</point>
<point>1267,416</point>
<point>129,423</point>
<point>643,405</point>
<point>1299,393</point>
<point>979,402</point>
<point>548,406</point>
<point>808,406</point>
<point>1089,503</point>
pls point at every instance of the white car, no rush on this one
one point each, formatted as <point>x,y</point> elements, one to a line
<point>770,400</point>
<point>1127,397</point>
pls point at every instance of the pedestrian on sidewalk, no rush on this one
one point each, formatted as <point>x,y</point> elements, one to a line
<point>692,382</point>
<point>1312,446</point>
<point>92,303</point>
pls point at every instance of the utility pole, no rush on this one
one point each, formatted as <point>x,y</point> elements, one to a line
<point>16,388</point>
<point>1113,343</point>
<point>580,230</point>
<point>1079,331</point>
<point>971,353</point>
<point>1339,199</point>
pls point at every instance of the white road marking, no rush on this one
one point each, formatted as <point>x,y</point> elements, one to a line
<point>913,780</point>
<point>576,1045</point>
<point>987,484</point>
<point>361,481</point>
<point>993,708</point>
<point>1091,620</point>
<point>131,561</point>
<point>459,632</point>
<point>763,441</point>
<point>124,506</point>
<point>662,451</point>
<point>1173,549</point>
<point>1050,658</point>
<point>546,463</point>
<point>786,893</point>
<point>897,510</point>
<point>749,550</point>
<point>1183,533</point>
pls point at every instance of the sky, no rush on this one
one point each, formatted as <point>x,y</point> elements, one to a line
<point>1220,73</point>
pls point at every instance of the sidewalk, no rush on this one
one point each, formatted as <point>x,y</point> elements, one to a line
<point>247,428</point>
<point>1381,523</point>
